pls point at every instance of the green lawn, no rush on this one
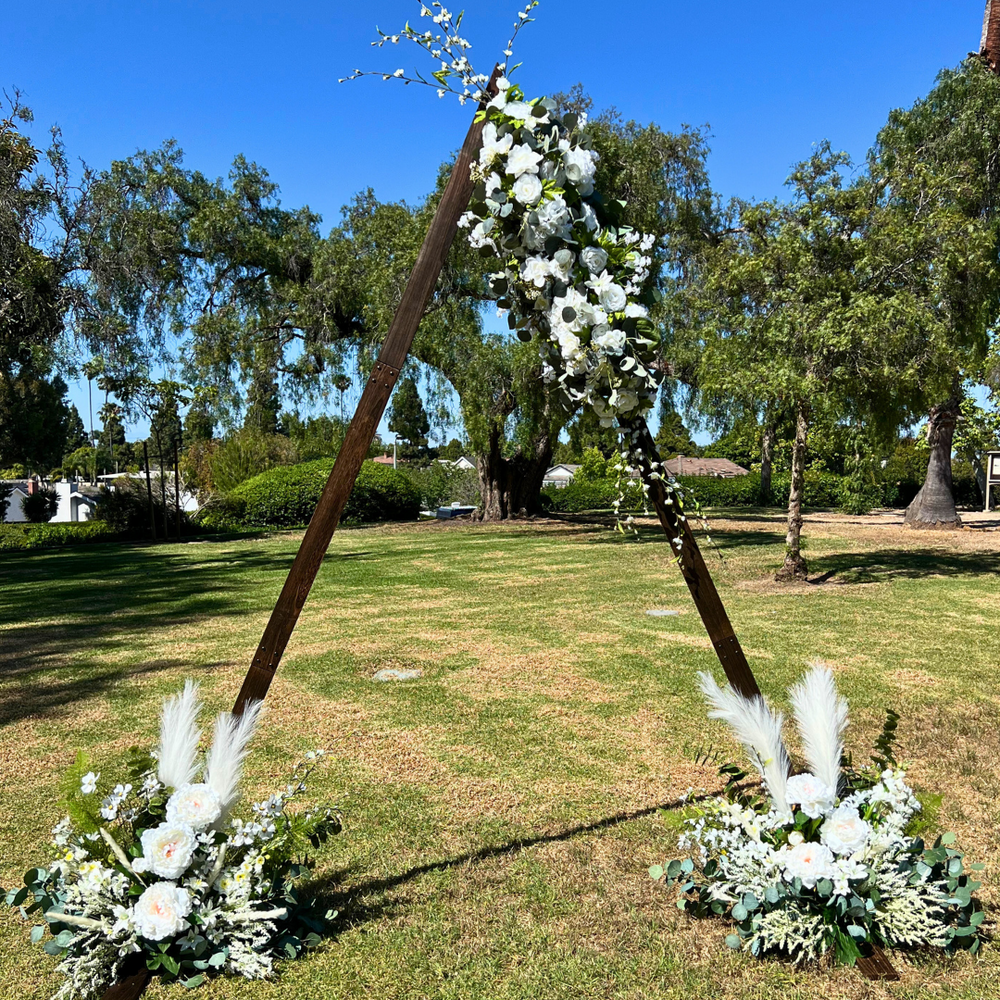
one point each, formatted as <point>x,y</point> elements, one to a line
<point>501,812</point>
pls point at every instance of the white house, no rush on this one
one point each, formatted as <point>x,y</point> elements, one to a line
<point>458,463</point>
<point>14,515</point>
<point>74,504</point>
<point>560,475</point>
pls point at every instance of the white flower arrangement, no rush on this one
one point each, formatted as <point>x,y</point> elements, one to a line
<point>826,861</point>
<point>156,871</point>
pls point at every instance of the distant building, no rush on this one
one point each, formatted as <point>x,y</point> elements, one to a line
<point>560,475</point>
<point>383,460</point>
<point>720,468</point>
<point>76,501</point>
<point>21,490</point>
<point>459,463</point>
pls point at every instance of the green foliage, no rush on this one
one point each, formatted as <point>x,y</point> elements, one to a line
<point>283,497</point>
<point>37,536</point>
<point>593,467</point>
<point>245,454</point>
<point>40,506</point>
<point>6,489</point>
<point>315,437</point>
<point>672,437</point>
<point>439,484</point>
<point>593,495</point>
<point>125,508</point>
<point>407,416</point>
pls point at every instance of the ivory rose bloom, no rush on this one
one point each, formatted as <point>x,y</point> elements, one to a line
<point>845,831</point>
<point>528,189</point>
<point>535,270</point>
<point>809,862</point>
<point>492,145</point>
<point>194,805</point>
<point>522,160</point>
<point>814,796</point>
<point>167,849</point>
<point>594,258</point>
<point>162,911</point>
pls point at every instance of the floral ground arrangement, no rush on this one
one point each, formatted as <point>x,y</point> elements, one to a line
<point>158,869</point>
<point>823,862</point>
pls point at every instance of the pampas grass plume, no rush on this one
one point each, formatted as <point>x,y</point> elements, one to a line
<point>179,735</point>
<point>758,729</point>
<point>821,718</point>
<point>229,749</point>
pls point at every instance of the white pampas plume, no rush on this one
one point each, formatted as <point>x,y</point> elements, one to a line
<point>229,748</point>
<point>179,735</point>
<point>758,729</point>
<point>821,717</point>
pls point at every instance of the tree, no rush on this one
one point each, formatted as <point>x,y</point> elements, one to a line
<point>407,416</point>
<point>937,163</point>
<point>40,506</point>
<point>315,437</point>
<point>672,437</point>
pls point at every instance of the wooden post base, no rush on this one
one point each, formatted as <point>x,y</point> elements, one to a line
<point>877,966</point>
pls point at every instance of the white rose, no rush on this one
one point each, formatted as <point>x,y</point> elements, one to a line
<point>795,838</point>
<point>594,258</point>
<point>613,298</point>
<point>527,189</point>
<point>610,341</point>
<point>535,271</point>
<point>635,311</point>
<point>845,831</point>
<point>492,145</point>
<point>194,805</point>
<point>161,911</point>
<point>589,217</point>
<point>522,160</point>
<point>809,862</point>
<point>580,167</point>
<point>814,796</point>
<point>168,848</point>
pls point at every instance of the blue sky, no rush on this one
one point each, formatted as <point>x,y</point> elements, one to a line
<point>770,78</point>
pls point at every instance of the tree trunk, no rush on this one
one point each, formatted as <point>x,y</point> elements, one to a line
<point>767,458</point>
<point>511,486</point>
<point>934,506</point>
<point>794,567</point>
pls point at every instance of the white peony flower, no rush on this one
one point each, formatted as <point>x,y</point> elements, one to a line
<point>535,270</point>
<point>161,911</point>
<point>594,259</point>
<point>493,146</point>
<point>194,805</point>
<point>522,160</point>
<point>88,784</point>
<point>815,797</point>
<point>613,298</point>
<point>528,189</point>
<point>167,849</point>
<point>809,862</point>
<point>844,831</point>
<point>610,341</point>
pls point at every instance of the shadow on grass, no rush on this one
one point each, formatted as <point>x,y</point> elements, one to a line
<point>895,564</point>
<point>39,700</point>
<point>353,900</point>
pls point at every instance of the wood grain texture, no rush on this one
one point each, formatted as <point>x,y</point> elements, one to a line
<point>877,965</point>
<point>416,295</point>
<point>695,572</point>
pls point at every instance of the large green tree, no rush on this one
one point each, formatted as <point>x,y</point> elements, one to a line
<point>407,416</point>
<point>936,172</point>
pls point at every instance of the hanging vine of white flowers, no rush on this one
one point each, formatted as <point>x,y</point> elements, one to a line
<point>582,286</point>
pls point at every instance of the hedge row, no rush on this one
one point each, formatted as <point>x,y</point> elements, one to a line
<point>286,496</point>
<point>36,536</point>
<point>822,489</point>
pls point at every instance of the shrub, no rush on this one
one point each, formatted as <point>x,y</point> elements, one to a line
<point>35,536</point>
<point>6,489</point>
<point>287,496</point>
<point>126,508</point>
<point>40,506</point>
<point>439,484</point>
<point>595,494</point>
<point>244,455</point>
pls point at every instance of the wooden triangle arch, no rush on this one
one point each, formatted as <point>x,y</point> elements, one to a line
<point>354,450</point>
